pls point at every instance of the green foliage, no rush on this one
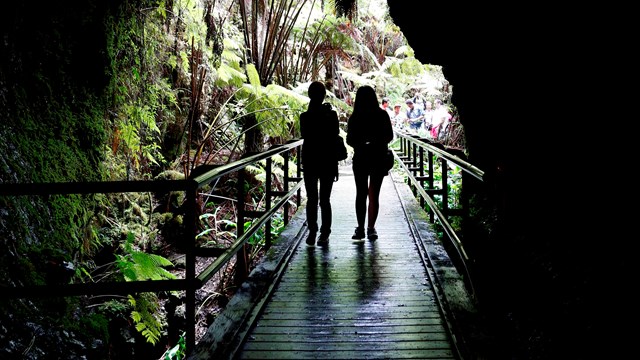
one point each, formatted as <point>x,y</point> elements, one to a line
<point>138,96</point>
<point>145,316</point>
<point>454,187</point>
<point>113,307</point>
<point>275,108</point>
<point>136,266</point>
<point>230,71</point>
<point>216,228</point>
<point>277,225</point>
<point>177,352</point>
<point>97,325</point>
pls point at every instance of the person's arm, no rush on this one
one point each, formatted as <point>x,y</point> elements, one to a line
<point>428,117</point>
<point>387,130</point>
<point>352,133</point>
<point>303,127</point>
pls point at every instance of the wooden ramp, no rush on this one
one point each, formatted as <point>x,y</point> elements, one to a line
<point>353,300</point>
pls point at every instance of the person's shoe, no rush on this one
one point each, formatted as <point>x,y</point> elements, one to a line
<point>372,234</point>
<point>358,234</point>
<point>311,239</point>
<point>323,238</point>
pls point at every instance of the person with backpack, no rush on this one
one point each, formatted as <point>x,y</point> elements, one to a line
<point>319,125</point>
<point>369,133</point>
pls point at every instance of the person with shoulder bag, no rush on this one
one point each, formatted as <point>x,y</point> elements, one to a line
<point>369,133</point>
<point>318,125</point>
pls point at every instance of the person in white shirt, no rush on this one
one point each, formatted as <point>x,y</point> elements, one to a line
<point>384,105</point>
<point>428,116</point>
<point>440,119</point>
<point>398,117</point>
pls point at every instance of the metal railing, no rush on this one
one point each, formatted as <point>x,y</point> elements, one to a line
<point>417,157</point>
<point>275,200</point>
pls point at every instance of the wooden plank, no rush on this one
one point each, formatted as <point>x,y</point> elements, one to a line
<point>414,313</point>
<point>349,355</point>
<point>371,344</point>
<point>353,300</point>
<point>419,331</point>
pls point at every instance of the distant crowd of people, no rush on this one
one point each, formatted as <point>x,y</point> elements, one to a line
<point>420,116</point>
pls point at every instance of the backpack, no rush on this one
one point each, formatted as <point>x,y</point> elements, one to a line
<point>340,150</point>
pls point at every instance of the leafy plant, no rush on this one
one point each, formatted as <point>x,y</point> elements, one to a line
<point>145,315</point>
<point>177,352</point>
<point>137,265</point>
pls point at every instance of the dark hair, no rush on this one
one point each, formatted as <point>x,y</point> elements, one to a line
<point>317,91</point>
<point>366,100</point>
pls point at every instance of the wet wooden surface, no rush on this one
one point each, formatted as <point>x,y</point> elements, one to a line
<point>354,300</point>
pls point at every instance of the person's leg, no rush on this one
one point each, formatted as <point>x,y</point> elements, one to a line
<point>362,189</point>
<point>311,187</point>
<point>326,185</point>
<point>374,205</point>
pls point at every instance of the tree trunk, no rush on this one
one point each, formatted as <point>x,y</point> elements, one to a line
<point>252,135</point>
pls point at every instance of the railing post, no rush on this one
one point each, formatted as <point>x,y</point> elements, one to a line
<point>298,173</point>
<point>286,179</point>
<point>445,188</point>
<point>414,155</point>
<point>421,170</point>
<point>241,256</point>
<point>430,182</point>
<point>190,266</point>
<point>403,146</point>
<point>269,194</point>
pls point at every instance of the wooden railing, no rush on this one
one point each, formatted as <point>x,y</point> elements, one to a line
<point>192,281</point>
<point>417,157</point>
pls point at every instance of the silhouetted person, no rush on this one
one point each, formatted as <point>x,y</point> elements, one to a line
<point>369,133</point>
<point>318,127</point>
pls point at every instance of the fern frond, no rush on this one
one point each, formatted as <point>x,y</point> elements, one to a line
<point>227,75</point>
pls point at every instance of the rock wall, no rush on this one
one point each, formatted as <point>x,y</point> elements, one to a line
<point>527,82</point>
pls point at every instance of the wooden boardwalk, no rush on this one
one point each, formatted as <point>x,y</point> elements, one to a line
<point>348,299</point>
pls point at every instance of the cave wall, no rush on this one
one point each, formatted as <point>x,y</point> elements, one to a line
<point>528,82</point>
<point>54,69</point>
